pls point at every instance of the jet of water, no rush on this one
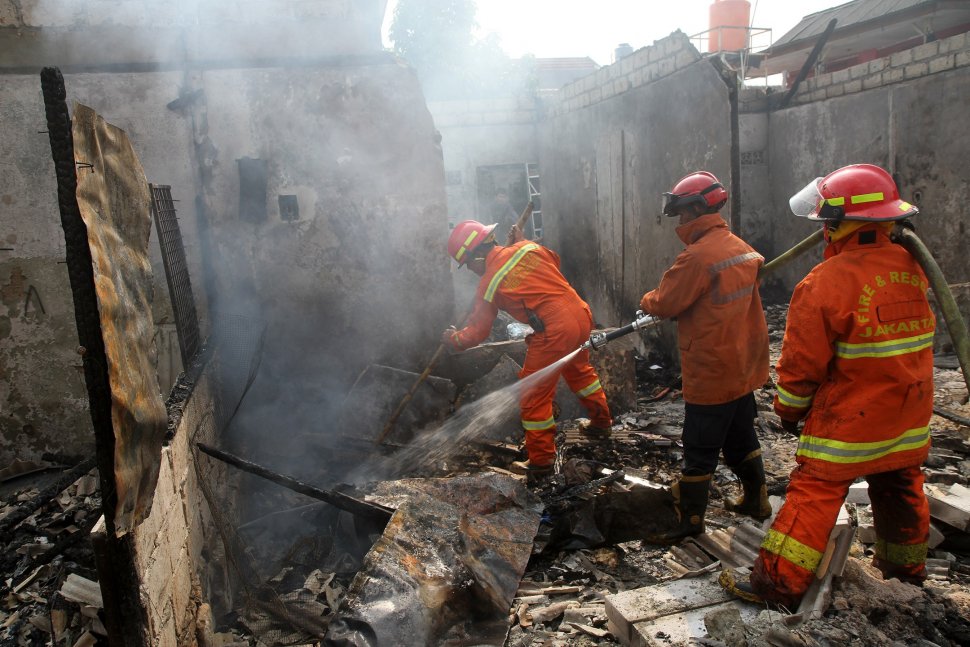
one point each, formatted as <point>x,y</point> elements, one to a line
<point>473,421</point>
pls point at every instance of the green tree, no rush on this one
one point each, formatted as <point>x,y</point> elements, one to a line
<point>437,38</point>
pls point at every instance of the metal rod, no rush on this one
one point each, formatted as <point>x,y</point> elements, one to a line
<point>336,499</point>
<point>809,63</point>
<point>407,396</point>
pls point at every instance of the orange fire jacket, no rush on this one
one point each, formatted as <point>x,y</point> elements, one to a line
<point>712,289</point>
<point>857,360</point>
<point>520,276</point>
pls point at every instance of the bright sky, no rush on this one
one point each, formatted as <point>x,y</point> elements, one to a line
<point>551,28</point>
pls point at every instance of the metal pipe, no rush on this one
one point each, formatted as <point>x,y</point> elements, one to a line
<point>955,324</point>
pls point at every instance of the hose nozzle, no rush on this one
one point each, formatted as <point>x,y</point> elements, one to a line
<point>599,339</point>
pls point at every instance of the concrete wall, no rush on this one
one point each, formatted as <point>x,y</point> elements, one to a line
<point>905,112</point>
<point>478,134</point>
<point>616,140</point>
<point>42,387</point>
<point>482,133</point>
<point>359,277</point>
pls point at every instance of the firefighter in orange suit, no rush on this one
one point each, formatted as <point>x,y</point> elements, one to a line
<point>857,367</point>
<point>712,290</point>
<point>524,280</point>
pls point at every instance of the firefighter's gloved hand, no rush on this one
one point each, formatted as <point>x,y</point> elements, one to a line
<point>448,337</point>
<point>791,426</point>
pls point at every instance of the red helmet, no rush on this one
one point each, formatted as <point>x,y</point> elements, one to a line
<point>699,188</point>
<point>465,237</point>
<point>856,192</point>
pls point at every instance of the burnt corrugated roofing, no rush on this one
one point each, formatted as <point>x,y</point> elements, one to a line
<point>848,14</point>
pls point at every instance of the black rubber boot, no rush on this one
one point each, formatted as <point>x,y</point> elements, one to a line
<point>754,500</point>
<point>690,499</point>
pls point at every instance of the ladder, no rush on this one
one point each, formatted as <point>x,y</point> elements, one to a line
<point>535,197</point>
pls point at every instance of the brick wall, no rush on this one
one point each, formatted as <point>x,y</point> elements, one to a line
<point>640,68</point>
<point>929,58</point>
<point>169,544</point>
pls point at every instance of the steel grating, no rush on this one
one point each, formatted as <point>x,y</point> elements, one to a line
<point>176,272</point>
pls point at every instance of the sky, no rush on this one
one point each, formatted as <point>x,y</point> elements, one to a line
<point>554,28</point>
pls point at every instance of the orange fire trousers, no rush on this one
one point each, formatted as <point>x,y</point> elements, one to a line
<point>794,545</point>
<point>566,329</point>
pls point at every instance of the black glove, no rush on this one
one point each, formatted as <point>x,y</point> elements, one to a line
<point>791,426</point>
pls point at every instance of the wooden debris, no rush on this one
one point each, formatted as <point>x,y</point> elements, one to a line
<point>82,590</point>
<point>950,505</point>
<point>590,631</point>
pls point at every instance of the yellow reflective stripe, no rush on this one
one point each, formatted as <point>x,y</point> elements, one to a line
<point>592,388</point>
<point>837,451</point>
<point>464,247</point>
<point>791,549</point>
<point>902,555</point>
<point>890,348</point>
<point>905,206</point>
<point>867,197</point>
<point>505,269</point>
<point>835,202</point>
<point>791,400</point>
<point>735,260</point>
<point>538,425</point>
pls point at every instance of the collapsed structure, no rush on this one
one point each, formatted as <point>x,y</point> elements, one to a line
<point>310,186</point>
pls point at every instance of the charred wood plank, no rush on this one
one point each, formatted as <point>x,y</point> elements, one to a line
<point>337,499</point>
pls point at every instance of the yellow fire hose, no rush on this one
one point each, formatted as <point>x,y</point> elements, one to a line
<point>905,236</point>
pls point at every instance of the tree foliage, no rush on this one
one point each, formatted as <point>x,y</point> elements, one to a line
<point>437,38</point>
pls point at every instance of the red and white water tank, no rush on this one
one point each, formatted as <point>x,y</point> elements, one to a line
<point>729,25</point>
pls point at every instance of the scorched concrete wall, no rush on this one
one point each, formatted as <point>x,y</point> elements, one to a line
<point>616,140</point>
<point>341,130</point>
<point>906,112</point>
<point>41,378</point>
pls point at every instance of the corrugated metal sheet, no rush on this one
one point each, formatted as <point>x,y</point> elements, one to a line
<point>848,14</point>
<point>113,197</point>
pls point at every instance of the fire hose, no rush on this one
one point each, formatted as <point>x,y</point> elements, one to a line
<point>599,339</point>
<point>902,234</point>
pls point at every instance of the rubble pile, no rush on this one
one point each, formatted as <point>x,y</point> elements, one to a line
<point>50,590</point>
<point>561,601</point>
<point>608,497</point>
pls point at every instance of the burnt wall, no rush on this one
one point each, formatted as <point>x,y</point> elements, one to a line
<point>905,112</point>
<point>357,273</point>
<point>613,143</point>
<point>309,181</point>
<point>41,381</point>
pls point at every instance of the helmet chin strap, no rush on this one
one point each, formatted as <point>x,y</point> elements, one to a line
<point>836,230</point>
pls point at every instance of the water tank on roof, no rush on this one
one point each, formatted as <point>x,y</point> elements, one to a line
<point>729,25</point>
<point>623,49</point>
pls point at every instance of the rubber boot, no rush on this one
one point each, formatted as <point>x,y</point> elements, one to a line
<point>534,474</point>
<point>588,429</point>
<point>754,500</point>
<point>690,499</point>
